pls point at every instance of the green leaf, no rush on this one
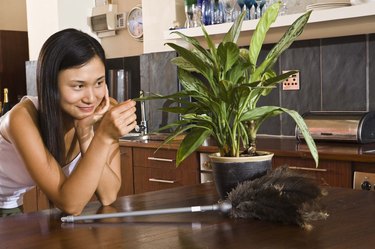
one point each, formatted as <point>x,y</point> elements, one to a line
<point>193,59</point>
<point>306,134</point>
<point>259,112</point>
<point>268,111</point>
<point>195,43</point>
<point>184,64</point>
<point>228,54</point>
<point>286,40</point>
<point>235,30</point>
<point>191,142</point>
<point>260,32</point>
<point>210,44</point>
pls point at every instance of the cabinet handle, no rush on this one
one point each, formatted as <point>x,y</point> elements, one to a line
<point>161,180</point>
<point>159,159</point>
<point>307,169</point>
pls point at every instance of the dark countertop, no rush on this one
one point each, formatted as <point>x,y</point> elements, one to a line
<point>285,146</point>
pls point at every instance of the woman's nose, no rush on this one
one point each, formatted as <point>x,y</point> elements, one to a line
<point>89,96</point>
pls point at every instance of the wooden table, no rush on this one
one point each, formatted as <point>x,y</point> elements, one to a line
<point>349,225</point>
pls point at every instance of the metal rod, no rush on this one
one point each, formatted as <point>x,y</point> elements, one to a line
<point>223,207</point>
<point>144,128</point>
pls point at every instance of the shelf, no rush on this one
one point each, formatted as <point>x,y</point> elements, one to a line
<point>344,21</point>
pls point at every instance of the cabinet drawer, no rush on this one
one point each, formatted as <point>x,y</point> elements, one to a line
<point>162,158</point>
<point>155,170</point>
<point>329,172</point>
<point>150,179</point>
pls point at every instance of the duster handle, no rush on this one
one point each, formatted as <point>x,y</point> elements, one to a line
<point>222,207</point>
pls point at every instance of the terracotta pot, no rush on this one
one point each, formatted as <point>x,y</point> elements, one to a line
<point>229,171</point>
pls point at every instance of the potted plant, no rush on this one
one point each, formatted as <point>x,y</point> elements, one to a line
<point>225,83</point>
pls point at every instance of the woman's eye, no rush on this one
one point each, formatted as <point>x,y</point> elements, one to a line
<point>78,87</point>
<point>99,83</point>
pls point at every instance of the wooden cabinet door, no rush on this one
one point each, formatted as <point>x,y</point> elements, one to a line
<point>14,52</point>
<point>127,184</point>
<point>35,200</point>
<point>30,201</point>
<point>155,171</point>
<point>329,172</point>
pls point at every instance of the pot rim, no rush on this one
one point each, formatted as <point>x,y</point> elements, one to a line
<point>215,157</point>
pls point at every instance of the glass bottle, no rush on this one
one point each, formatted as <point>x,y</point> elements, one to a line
<point>189,13</point>
<point>6,105</point>
<point>207,12</point>
<point>217,12</point>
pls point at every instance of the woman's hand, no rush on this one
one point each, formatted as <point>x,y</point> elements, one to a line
<point>85,127</point>
<point>100,110</point>
<point>119,120</point>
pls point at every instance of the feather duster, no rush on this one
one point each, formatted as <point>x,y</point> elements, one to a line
<point>282,195</point>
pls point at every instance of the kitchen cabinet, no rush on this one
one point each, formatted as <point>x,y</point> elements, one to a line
<point>127,183</point>
<point>330,172</point>
<point>35,200</point>
<point>146,168</point>
<point>156,169</point>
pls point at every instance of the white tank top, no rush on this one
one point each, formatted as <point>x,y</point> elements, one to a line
<point>15,180</point>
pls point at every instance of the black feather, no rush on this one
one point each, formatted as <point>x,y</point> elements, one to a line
<point>282,195</point>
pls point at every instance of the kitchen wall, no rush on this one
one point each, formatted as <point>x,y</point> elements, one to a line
<point>122,44</point>
<point>336,74</point>
<point>158,75</point>
<point>13,15</point>
<point>45,17</point>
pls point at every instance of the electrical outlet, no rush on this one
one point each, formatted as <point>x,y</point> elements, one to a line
<point>360,177</point>
<point>291,83</point>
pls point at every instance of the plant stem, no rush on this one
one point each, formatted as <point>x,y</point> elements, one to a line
<point>252,138</point>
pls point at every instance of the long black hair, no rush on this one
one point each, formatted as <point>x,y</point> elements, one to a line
<point>65,49</point>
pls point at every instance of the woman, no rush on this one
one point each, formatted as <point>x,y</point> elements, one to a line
<point>66,140</point>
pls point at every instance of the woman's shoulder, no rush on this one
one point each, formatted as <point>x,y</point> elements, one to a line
<point>32,99</point>
<point>20,116</point>
<point>27,107</point>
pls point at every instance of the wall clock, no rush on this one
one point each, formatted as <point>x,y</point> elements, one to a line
<point>135,23</point>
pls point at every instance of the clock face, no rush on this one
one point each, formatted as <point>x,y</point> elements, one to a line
<point>135,22</point>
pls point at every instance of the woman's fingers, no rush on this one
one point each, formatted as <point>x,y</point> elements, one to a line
<point>103,106</point>
<point>124,117</point>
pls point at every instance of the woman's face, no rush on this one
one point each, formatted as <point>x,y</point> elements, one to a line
<point>82,88</point>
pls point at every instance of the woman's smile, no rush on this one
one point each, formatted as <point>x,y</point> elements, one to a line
<point>87,109</point>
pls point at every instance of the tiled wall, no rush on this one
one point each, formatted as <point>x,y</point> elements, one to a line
<point>336,74</point>
<point>158,75</point>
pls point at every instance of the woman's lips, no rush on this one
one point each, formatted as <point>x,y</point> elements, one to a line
<point>88,109</point>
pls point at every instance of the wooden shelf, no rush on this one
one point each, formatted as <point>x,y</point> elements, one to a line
<point>344,21</point>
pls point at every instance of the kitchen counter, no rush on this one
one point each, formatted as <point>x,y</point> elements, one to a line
<point>285,147</point>
<point>348,224</point>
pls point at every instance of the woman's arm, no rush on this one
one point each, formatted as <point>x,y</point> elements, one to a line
<point>72,193</point>
<point>110,181</point>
